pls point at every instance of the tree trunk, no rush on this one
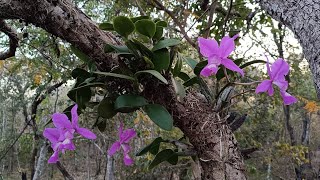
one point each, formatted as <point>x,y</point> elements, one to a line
<point>41,162</point>
<point>302,17</point>
<point>206,130</point>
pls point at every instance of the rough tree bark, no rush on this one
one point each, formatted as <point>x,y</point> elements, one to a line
<point>302,17</point>
<point>207,131</point>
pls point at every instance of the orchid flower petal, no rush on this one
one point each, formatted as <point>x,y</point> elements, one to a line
<point>208,47</point>
<point>127,160</point>
<point>282,84</point>
<point>229,64</point>
<point>209,70</point>
<point>75,116</point>
<point>127,135</point>
<point>52,134</point>
<point>54,158</point>
<point>280,68</point>
<point>288,98</point>
<point>86,133</point>
<point>126,148</point>
<point>227,46</point>
<point>264,86</point>
<point>114,148</point>
<point>61,121</point>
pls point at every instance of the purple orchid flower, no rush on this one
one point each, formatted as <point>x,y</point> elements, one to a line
<point>279,69</point>
<point>218,55</point>
<point>124,138</point>
<point>61,136</point>
<point>57,143</point>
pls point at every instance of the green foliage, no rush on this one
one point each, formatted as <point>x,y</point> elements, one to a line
<point>146,27</point>
<point>161,59</point>
<point>106,108</point>
<point>129,103</point>
<point>165,43</point>
<point>159,115</point>
<point>123,25</point>
<point>153,147</point>
<point>164,155</point>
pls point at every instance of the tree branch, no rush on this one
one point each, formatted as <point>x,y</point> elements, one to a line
<point>13,40</point>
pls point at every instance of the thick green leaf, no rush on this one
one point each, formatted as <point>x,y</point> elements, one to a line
<point>161,157</point>
<point>153,147</point>
<point>78,72</point>
<point>162,23</point>
<point>177,67</point>
<point>154,73</point>
<point>159,32</point>
<point>166,43</point>
<point>161,59</point>
<point>135,19</point>
<point>80,96</point>
<point>133,48</point>
<point>106,108</point>
<point>199,67</point>
<point>191,82</point>
<point>118,49</point>
<point>83,85</point>
<point>191,62</point>
<point>123,26</point>
<point>160,116</point>
<point>115,75</point>
<point>128,103</point>
<point>146,27</point>
<point>106,26</point>
<point>82,56</point>
<point>183,76</point>
<point>173,159</point>
<point>142,48</point>
<point>251,62</point>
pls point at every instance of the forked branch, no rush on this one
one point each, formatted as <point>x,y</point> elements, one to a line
<point>13,40</point>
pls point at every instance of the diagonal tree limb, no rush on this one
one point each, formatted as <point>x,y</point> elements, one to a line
<point>13,40</point>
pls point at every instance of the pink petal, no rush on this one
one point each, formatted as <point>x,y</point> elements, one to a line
<point>54,158</point>
<point>127,160</point>
<point>127,135</point>
<point>287,98</point>
<point>61,121</point>
<point>231,65</point>
<point>279,69</point>
<point>75,116</point>
<point>114,148</point>
<point>86,133</point>
<point>208,47</point>
<point>52,134</point>
<point>264,86</point>
<point>126,148</point>
<point>214,60</point>
<point>227,46</point>
<point>282,84</point>
<point>209,70</point>
<point>68,144</point>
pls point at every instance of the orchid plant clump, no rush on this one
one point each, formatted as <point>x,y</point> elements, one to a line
<point>217,56</point>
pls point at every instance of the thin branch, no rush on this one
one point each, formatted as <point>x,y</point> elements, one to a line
<point>226,19</point>
<point>210,21</point>
<point>160,6</point>
<point>64,171</point>
<point>13,40</point>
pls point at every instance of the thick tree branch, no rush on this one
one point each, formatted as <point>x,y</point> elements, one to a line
<point>13,40</point>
